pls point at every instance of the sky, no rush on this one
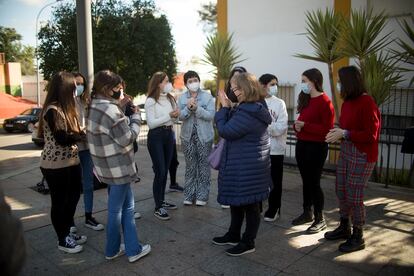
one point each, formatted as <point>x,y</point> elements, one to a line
<point>182,15</point>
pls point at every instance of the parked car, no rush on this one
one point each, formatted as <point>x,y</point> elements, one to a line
<point>38,141</point>
<point>25,121</point>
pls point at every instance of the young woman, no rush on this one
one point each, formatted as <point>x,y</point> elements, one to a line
<point>162,112</point>
<point>110,138</point>
<point>278,134</point>
<point>359,130</point>
<point>82,100</point>
<point>59,162</point>
<point>316,118</point>
<point>244,174</point>
<point>197,109</point>
<point>230,95</point>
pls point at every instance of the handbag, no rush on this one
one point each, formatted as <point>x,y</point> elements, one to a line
<point>215,156</point>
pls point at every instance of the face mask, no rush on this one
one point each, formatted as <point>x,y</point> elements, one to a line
<point>232,97</point>
<point>273,90</point>
<point>79,89</point>
<point>167,88</point>
<point>116,95</point>
<point>338,87</point>
<point>304,87</point>
<point>194,86</point>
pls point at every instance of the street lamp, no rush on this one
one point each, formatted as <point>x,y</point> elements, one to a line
<point>37,51</point>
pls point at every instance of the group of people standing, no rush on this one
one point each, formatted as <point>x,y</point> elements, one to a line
<point>83,132</point>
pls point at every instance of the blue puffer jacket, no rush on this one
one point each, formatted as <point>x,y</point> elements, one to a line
<point>244,174</point>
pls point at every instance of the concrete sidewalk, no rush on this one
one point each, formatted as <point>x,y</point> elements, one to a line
<point>182,245</point>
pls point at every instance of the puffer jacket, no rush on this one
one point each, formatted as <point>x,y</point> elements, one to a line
<point>244,174</point>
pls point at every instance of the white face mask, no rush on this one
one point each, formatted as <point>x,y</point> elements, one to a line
<point>273,90</point>
<point>304,87</point>
<point>194,86</point>
<point>167,88</point>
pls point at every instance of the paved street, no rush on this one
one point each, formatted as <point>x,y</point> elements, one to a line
<point>182,246</point>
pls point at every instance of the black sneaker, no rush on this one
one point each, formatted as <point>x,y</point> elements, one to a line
<point>161,214</point>
<point>69,245</point>
<point>176,188</point>
<point>77,238</point>
<point>225,240</point>
<point>93,224</point>
<point>271,216</point>
<point>316,227</point>
<point>169,206</point>
<point>240,249</point>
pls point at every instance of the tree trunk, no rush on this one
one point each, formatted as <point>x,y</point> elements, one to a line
<point>333,91</point>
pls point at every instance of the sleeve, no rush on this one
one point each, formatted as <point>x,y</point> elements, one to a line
<point>371,125</point>
<point>122,133</point>
<point>182,105</point>
<point>234,127</point>
<point>208,112</point>
<point>61,136</point>
<point>327,121</point>
<point>152,121</point>
<point>281,125</point>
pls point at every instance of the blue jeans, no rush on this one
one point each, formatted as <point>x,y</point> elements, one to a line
<point>121,213</point>
<point>87,179</point>
<point>160,146</point>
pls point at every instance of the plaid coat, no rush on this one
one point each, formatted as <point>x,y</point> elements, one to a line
<point>110,138</point>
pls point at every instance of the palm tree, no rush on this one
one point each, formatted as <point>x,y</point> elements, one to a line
<point>323,31</point>
<point>221,54</point>
<point>406,54</point>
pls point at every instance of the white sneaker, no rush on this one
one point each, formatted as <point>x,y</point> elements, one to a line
<point>70,246</point>
<point>225,206</point>
<point>137,215</point>
<point>201,203</point>
<point>146,249</point>
<point>187,202</point>
<point>120,252</point>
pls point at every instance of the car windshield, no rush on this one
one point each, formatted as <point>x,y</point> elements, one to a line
<point>27,112</point>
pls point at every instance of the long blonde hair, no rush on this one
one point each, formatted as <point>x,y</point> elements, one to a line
<point>60,91</point>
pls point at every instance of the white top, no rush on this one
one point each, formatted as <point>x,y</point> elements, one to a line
<point>158,112</point>
<point>278,128</point>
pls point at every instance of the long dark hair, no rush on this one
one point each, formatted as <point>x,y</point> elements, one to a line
<point>104,82</point>
<point>352,85</point>
<point>314,76</point>
<point>85,97</point>
<point>154,88</point>
<point>239,69</point>
<point>60,91</point>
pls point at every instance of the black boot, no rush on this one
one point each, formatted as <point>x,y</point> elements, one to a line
<point>303,218</point>
<point>355,242</point>
<point>318,225</point>
<point>343,231</point>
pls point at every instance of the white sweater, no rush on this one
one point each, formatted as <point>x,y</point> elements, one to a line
<point>278,128</point>
<point>158,112</point>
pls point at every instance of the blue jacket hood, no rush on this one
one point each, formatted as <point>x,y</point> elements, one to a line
<point>258,110</point>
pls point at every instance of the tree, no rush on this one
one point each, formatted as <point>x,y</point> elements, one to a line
<point>323,32</point>
<point>132,40</point>
<point>11,46</point>
<point>208,17</point>
<point>406,53</point>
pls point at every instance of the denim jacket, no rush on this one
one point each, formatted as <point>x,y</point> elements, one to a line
<point>203,116</point>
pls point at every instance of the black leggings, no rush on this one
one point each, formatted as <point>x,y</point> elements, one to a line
<point>65,187</point>
<point>275,196</point>
<point>311,157</point>
<point>252,212</point>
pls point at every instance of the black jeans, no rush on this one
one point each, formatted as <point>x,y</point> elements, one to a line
<point>65,187</point>
<point>173,166</point>
<point>252,212</point>
<point>311,157</point>
<point>275,196</point>
<point>160,146</point>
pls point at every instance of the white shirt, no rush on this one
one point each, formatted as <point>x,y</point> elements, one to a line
<point>278,128</point>
<point>158,112</point>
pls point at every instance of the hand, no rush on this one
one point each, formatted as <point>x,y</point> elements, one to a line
<point>299,125</point>
<point>124,102</point>
<point>191,104</point>
<point>334,135</point>
<point>175,113</point>
<point>224,101</point>
<point>274,115</point>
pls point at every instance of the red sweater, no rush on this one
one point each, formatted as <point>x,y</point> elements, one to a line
<point>362,119</point>
<point>319,116</point>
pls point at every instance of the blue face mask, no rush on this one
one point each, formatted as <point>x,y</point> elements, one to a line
<point>304,87</point>
<point>273,90</point>
<point>79,89</point>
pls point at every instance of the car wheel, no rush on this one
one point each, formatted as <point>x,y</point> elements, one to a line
<point>30,127</point>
